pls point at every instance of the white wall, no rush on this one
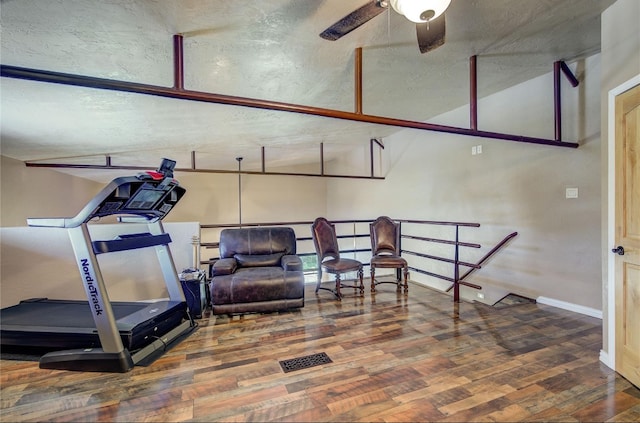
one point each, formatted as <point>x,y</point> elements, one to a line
<point>510,187</point>
<point>27,191</point>
<point>213,198</point>
<point>39,262</point>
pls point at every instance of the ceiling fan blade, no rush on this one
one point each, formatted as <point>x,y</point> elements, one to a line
<point>353,20</point>
<point>431,34</point>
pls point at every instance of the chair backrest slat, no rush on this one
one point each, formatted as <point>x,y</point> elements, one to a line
<point>385,236</point>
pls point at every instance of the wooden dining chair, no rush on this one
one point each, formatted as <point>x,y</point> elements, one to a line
<point>385,250</point>
<point>329,260</point>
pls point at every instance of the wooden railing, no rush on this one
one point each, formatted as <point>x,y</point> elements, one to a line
<point>423,245</point>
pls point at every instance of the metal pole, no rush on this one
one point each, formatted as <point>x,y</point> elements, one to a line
<point>321,158</point>
<point>239,159</point>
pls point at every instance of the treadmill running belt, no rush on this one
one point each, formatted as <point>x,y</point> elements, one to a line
<point>64,324</point>
<point>57,313</point>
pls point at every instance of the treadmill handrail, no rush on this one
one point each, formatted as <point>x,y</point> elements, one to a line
<point>130,242</point>
<point>50,222</point>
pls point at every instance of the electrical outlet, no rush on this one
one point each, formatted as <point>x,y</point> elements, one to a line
<point>474,150</point>
<point>479,149</point>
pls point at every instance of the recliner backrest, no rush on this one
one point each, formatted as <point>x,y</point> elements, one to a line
<point>257,241</point>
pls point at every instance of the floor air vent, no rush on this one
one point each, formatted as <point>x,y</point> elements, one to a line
<point>305,362</point>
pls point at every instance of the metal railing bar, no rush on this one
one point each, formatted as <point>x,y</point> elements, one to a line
<point>489,254</point>
<point>353,236</point>
<point>189,95</point>
<point>446,260</point>
<point>304,222</point>
<point>435,222</point>
<point>469,284</point>
<point>441,241</point>
<point>435,275</point>
<point>456,281</point>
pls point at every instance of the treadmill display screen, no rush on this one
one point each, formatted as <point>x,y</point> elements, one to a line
<point>145,199</point>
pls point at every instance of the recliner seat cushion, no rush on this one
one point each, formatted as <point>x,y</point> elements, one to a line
<point>257,284</point>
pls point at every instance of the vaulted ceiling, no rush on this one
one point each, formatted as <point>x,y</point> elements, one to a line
<point>267,50</point>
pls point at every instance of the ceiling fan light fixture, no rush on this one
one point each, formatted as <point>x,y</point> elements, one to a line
<point>419,11</point>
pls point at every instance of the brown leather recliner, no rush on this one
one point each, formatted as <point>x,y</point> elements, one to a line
<point>258,271</point>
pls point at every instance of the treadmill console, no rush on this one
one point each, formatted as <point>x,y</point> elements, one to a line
<point>149,196</point>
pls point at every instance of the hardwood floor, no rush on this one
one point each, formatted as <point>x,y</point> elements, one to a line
<point>394,358</point>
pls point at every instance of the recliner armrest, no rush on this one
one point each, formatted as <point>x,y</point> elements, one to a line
<point>225,266</point>
<point>291,262</point>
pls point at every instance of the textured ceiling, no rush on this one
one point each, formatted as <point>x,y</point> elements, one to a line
<point>268,50</point>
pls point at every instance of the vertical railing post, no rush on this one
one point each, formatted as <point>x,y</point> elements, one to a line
<point>398,270</point>
<point>557,101</point>
<point>371,141</point>
<point>456,270</point>
<point>178,62</point>
<point>358,80</point>
<point>473,95</point>
<point>354,240</point>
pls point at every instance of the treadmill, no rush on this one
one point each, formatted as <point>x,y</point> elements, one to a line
<point>99,335</point>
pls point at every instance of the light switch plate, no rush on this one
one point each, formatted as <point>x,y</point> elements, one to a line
<point>571,193</point>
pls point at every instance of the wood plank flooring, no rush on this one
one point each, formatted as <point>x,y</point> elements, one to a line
<point>395,358</point>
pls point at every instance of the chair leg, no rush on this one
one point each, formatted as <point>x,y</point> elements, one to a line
<point>360,275</point>
<point>319,280</point>
<point>338,283</point>
<point>406,278</point>
<point>373,279</point>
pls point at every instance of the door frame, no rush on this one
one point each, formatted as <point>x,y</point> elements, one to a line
<point>609,357</point>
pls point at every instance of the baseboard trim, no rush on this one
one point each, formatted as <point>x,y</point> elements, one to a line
<point>571,307</point>
<point>607,360</point>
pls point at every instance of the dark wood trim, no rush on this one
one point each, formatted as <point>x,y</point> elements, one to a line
<point>169,92</point>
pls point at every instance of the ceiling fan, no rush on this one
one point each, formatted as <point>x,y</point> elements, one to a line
<point>427,14</point>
